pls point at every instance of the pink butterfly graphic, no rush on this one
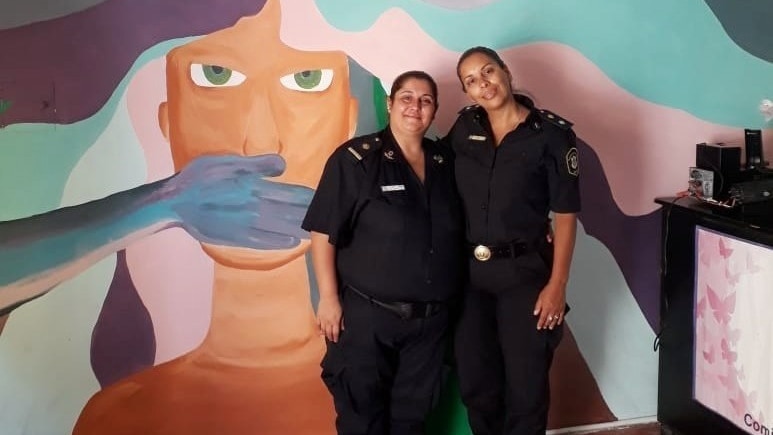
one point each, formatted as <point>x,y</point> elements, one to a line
<point>724,250</point>
<point>743,402</point>
<point>722,308</point>
<point>728,354</point>
<point>729,381</point>
<point>706,257</point>
<point>750,266</point>
<point>709,355</point>
<point>732,278</point>
<point>732,335</point>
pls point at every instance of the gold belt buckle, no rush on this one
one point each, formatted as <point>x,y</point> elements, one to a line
<point>482,253</point>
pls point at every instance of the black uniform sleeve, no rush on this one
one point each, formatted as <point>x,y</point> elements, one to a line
<point>331,208</point>
<point>563,168</point>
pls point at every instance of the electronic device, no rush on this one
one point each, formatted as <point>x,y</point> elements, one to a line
<point>752,191</point>
<point>723,160</point>
<point>701,183</point>
<point>754,158</point>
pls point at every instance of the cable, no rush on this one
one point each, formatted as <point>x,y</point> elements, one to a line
<point>664,270</point>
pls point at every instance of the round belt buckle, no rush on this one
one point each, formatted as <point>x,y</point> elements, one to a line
<point>482,253</point>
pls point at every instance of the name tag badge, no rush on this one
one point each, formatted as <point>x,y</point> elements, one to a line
<point>393,188</point>
<point>476,137</point>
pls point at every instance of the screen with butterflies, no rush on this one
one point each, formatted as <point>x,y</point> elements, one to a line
<point>733,354</point>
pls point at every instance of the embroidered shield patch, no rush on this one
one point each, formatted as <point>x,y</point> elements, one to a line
<point>572,162</point>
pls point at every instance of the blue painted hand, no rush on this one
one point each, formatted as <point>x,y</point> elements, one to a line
<point>228,200</point>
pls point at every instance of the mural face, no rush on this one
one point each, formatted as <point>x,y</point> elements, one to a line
<point>242,91</point>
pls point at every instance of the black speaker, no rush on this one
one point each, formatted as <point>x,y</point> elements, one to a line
<point>723,160</point>
<point>754,158</point>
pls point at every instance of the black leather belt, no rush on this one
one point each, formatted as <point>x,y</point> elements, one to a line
<point>404,310</point>
<point>506,250</point>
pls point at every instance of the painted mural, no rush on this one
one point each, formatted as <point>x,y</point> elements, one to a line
<point>156,160</point>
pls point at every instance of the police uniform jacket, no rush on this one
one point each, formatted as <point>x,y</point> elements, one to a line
<point>508,191</point>
<point>396,239</point>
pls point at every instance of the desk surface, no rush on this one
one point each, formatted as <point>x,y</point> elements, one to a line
<point>758,216</point>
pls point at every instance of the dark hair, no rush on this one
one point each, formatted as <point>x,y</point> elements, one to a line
<point>493,55</point>
<point>419,75</point>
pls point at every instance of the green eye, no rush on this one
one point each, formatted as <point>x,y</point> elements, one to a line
<point>308,79</point>
<point>215,74</point>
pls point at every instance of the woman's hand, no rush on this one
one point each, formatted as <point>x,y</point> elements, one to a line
<point>550,306</point>
<point>330,321</point>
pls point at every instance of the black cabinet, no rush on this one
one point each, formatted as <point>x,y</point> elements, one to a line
<point>677,408</point>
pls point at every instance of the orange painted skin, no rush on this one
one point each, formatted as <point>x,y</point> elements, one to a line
<point>257,371</point>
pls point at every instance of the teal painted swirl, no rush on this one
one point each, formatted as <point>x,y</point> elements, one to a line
<point>671,53</point>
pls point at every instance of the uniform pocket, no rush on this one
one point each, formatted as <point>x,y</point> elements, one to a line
<point>332,367</point>
<point>545,252</point>
<point>532,268</point>
<point>356,386</point>
<point>394,197</point>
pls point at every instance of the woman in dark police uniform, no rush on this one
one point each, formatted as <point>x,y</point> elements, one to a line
<point>386,238</point>
<point>514,165</point>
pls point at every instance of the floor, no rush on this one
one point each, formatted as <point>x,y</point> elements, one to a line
<point>644,429</point>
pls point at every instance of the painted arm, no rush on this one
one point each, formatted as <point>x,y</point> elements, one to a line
<point>222,200</point>
<point>552,298</point>
<point>329,312</point>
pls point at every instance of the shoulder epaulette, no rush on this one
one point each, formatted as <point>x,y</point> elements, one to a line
<point>551,117</point>
<point>359,148</point>
<point>468,108</point>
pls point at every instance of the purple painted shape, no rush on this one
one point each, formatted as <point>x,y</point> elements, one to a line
<point>123,342</point>
<point>633,241</point>
<point>76,61</point>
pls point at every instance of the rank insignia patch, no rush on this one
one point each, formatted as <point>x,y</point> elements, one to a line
<point>572,162</point>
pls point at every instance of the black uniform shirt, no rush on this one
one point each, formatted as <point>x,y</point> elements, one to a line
<point>508,191</point>
<point>396,239</point>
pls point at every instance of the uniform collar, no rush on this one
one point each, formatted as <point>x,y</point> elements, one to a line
<point>389,148</point>
<point>533,120</point>
<point>523,100</point>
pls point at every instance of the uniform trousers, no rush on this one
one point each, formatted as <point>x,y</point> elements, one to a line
<point>385,372</point>
<point>502,359</point>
